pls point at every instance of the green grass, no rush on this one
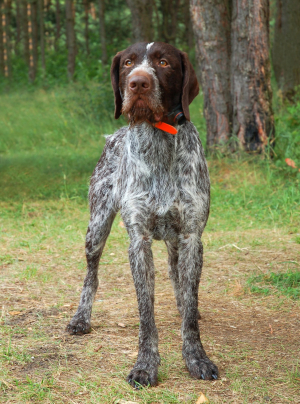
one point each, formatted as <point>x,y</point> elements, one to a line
<point>287,283</point>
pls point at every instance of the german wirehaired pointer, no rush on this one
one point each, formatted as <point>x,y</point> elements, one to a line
<point>159,181</point>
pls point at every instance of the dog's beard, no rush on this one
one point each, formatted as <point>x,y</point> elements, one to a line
<point>140,109</point>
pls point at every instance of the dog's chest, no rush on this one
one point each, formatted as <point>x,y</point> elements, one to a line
<point>158,180</point>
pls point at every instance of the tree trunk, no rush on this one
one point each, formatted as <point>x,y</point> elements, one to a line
<point>6,17</point>
<point>71,39</point>
<point>211,23</point>
<point>102,31</point>
<point>141,13</point>
<point>286,47</point>
<point>86,26</point>
<point>253,121</point>
<point>57,31</point>
<point>42,35</point>
<point>25,35</point>
<point>32,34</point>
<point>169,21</point>
<point>1,41</point>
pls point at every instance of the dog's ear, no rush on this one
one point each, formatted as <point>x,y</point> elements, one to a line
<point>114,75</point>
<point>190,86</point>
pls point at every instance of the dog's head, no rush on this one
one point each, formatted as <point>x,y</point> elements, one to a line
<point>151,81</point>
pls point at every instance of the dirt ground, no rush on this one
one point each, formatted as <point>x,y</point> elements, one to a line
<point>254,339</point>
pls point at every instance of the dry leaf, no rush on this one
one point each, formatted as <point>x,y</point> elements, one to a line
<point>120,401</point>
<point>121,224</point>
<point>290,163</point>
<point>202,399</point>
<point>121,325</point>
<point>14,313</point>
<point>133,354</point>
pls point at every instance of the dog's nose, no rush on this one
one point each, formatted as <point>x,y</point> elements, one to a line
<point>139,84</point>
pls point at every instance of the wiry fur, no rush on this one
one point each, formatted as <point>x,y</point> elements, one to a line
<point>160,184</point>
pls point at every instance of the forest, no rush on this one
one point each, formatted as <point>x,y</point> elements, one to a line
<point>56,110</point>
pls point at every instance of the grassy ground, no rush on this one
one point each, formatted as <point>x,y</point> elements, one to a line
<point>249,294</point>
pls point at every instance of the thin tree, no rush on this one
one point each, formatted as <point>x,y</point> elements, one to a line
<point>18,27</point>
<point>71,38</point>
<point>141,14</point>
<point>101,4</point>
<point>32,36</point>
<point>42,35</point>
<point>25,31</point>
<point>86,25</point>
<point>286,47</point>
<point>1,39</point>
<point>57,25</point>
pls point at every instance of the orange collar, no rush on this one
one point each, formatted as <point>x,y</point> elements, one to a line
<point>165,127</point>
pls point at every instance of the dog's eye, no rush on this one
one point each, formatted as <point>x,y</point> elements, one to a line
<point>163,63</point>
<point>128,62</point>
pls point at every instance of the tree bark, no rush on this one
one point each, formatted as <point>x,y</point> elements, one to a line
<point>211,23</point>
<point>286,47</point>
<point>253,121</point>
<point>71,38</point>
<point>102,31</point>
<point>141,13</point>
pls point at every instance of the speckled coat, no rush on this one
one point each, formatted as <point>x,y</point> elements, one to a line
<point>160,184</point>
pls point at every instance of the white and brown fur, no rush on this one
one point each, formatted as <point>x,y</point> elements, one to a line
<point>160,184</point>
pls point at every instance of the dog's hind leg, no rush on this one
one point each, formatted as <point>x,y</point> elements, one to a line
<point>172,247</point>
<point>145,369</point>
<point>189,269</point>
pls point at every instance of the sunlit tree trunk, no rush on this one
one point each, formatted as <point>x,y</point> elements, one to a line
<point>211,22</point>
<point>141,14</point>
<point>253,121</point>
<point>71,38</point>
<point>286,47</point>
<point>6,17</point>
<point>32,34</point>
<point>101,4</point>
<point>1,41</point>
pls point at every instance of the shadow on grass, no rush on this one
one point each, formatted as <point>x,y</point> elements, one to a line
<point>51,174</point>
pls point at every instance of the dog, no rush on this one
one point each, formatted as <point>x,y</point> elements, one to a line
<point>158,179</point>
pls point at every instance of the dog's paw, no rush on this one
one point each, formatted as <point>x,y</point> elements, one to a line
<point>202,368</point>
<point>78,326</point>
<point>138,378</point>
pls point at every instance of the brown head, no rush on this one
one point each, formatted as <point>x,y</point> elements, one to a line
<point>150,80</point>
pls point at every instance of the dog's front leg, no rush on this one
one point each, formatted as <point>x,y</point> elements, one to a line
<point>97,233</point>
<point>189,268</point>
<point>145,370</point>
